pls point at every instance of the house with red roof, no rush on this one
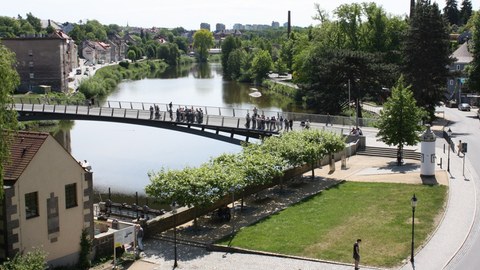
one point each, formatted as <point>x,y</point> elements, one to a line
<point>48,200</point>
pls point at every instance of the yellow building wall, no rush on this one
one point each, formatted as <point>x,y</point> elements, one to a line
<point>49,171</point>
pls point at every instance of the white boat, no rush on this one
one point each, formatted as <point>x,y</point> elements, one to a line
<point>255,94</point>
<point>253,89</point>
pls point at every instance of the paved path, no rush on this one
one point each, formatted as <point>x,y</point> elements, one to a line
<point>437,252</point>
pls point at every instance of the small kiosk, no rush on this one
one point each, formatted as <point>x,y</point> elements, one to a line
<point>428,153</point>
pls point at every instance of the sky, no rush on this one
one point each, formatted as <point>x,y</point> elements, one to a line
<point>190,13</point>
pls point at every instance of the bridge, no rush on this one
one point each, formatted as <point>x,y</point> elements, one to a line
<point>224,124</point>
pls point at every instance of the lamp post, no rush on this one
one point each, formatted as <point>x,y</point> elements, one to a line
<point>449,133</point>
<point>174,213</point>
<point>414,204</point>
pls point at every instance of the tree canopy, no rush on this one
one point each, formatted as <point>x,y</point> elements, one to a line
<point>474,71</point>
<point>426,55</point>
<point>8,117</point>
<point>400,118</point>
<point>202,42</point>
<point>257,164</point>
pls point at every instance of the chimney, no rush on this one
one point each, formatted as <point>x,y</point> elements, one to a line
<point>289,26</point>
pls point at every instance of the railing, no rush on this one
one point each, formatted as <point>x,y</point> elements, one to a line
<point>142,110</point>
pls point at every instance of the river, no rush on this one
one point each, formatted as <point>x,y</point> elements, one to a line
<point>121,155</point>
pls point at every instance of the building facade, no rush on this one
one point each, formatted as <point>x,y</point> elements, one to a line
<point>44,61</point>
<point>48,200</point>
<point>455,85</point>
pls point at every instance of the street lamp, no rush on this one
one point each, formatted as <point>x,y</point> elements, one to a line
<point>414,204</point>
<point>174,213</point>
<point>449,133</point>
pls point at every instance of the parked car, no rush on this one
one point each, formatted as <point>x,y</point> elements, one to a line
<point>464,107</point>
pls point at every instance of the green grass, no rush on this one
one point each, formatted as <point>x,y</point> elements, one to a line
<point>325,226</point>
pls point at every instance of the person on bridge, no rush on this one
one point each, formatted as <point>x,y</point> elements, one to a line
<point>459,147</point>
<point>307,124</point>
<point>329,120</point>
<point>151,112</point>
<point>247,119</point>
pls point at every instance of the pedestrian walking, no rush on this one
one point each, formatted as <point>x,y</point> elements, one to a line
<point>139,237</point>
<point>329,120</point>
<point>356,253</point>
<point>459,147</point>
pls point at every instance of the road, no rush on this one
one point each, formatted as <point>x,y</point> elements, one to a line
<point>466,127</point>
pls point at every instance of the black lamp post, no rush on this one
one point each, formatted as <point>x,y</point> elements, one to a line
<point>414,204</point>
<point>449,133</point>
<point>174,213</point>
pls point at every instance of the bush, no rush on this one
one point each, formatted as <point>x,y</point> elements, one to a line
<point>124,64</point>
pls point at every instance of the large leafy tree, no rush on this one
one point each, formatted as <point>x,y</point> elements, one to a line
<point>474,72</point>
<point>202,41</point>
<point>261,64</point>
<point>325,75</point>
<point>426,55</point>
<point>229,45</point>
<point>8,118</point>
<point>400,118</point>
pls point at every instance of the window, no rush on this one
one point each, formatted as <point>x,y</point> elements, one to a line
<point>30,64</point>
<point>30,52</point>
<point>32,76</point>
<point>31,205</point>
<point>71,195</point>
<point>451,82</point>
<point>458,67</point>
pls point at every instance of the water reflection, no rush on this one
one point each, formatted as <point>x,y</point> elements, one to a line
<point>121,155</point>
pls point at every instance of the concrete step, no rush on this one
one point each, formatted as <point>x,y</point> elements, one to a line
<point>388,152</point>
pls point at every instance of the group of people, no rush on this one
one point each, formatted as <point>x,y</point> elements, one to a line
<point>157,112</point>
<point>189,115</point>
<point>356,131</point>
<point>261,122</point>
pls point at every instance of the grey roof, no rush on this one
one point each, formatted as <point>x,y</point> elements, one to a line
<point>462,54</point>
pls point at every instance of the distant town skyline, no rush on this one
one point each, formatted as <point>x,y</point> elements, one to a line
<point>190,13</point>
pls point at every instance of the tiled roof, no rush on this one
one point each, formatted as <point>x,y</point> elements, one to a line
<point>23,147</point>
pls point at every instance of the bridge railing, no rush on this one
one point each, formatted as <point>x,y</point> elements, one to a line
<point>240,113</point>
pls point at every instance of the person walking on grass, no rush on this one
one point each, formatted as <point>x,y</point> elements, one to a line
<point>356,253</point>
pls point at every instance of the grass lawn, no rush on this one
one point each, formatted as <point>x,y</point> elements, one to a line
<point>325,226</point>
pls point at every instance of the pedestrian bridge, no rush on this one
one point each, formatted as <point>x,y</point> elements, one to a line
<point>224,124</point>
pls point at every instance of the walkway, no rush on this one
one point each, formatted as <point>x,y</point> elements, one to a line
<point>437,252</point>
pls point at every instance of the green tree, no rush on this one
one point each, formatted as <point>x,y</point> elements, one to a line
<point>8,118</point>
<point>426,55</point>
<point>261,64</point>
<point>465,11</point>
<point>229,45</point>
<point>34,22</point>
<point>474,71</point>
<point>169,53</point>
<point>202,42</point>
<point>400,119</point>
<point>325,75</point>
<point>236,60</point>
<point>131,55</point>
<point>9,27</point>
<point>450,11</point>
